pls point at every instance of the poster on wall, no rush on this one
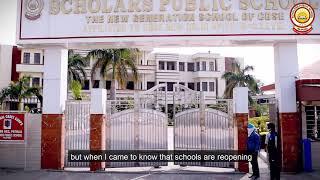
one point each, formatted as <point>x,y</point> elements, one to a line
<point>12,127</point>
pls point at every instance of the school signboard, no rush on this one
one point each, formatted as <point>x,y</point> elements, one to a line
<point>106,19</point>
<point>12,127</point>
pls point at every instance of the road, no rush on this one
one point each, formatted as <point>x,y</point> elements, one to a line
<point>167,175</point>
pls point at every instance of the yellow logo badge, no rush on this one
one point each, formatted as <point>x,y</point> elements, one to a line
<point>302,16</point>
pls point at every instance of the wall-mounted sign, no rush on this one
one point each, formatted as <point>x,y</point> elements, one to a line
<point>73,19</point>
<point>11,127</point>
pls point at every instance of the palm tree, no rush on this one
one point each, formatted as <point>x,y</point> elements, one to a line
<point>20,90</point>
<point>114,64</point>
<point>239,77</point>
<point>76,67</point>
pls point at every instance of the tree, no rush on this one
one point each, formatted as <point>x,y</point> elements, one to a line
<point>76,90</point>
<point>20,90</point>
<point>114,64</point>
<point>239,77</point>
<point>76,67</point>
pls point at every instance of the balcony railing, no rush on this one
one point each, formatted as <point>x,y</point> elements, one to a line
<point>29,67</point>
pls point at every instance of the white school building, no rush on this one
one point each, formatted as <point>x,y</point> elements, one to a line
<point>200,72</point>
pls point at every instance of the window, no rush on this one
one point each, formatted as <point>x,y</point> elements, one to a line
<point>96,83</point>
<point>313,122</point>
<point>86,85</point>
<point>204,86</point>
<point>26,58</point>
<point>171,65</point>
<point>108,85</point>
<point>36,58</point>
<point>198,66</point>
<point>211,66</point>
<point>191,86</point>
<point>204,65</point>
<point>170,86</point>
<point>161,65</point>
<point>182,83</point>
<point>150,85</point>
<point>211,86</point>
<point>36,82</point>
<point>130,85</point>
<point>198,86</point>
<point>191,67</point>
<point>181,66</point>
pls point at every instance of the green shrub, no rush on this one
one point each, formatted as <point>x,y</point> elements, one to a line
<point>260,123</point>
<point>261,109</point>
<point>76,88</point>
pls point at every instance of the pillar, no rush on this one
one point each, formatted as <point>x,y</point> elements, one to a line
<point>241,113</point>
<point>286,72</point>
<point>54,98</point>
<point>98,125</point>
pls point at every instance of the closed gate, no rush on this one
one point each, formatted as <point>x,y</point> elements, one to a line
<point>202,124</point>
<point>139,123</point>
<point>77,118</point>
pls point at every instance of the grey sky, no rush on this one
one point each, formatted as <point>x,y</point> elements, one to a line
<point>259,57</point>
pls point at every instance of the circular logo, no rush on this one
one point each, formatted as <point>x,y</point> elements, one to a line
<point>33,9</point>
<point>302,16</point>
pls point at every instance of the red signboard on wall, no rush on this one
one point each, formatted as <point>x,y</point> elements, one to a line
<point>11,127</point>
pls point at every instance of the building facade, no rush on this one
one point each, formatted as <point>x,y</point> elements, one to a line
<point>199,72</point>
<point>31,65</point>
<point>16,63</point>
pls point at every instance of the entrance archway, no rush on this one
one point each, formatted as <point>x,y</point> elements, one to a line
<point>56,25</point>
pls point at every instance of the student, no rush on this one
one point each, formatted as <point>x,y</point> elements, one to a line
<point>273,153</point>
<point>253,146</point>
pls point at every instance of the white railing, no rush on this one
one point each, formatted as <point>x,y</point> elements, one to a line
<point>77,116</point>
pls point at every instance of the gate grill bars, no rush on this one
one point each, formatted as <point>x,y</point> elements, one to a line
<point>137,124</point>
<point>202,124</point>
<point>77,116</point>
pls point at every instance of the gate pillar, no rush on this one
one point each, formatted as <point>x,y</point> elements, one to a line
<point>54,98</point>
<point>241,112</point>
<point>98,125</point>
<point>286,72</point>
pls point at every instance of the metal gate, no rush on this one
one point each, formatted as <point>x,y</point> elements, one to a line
<point>77,117</point>
<point>202,124</point>
<point>138,123</point>
<point>141,123</point>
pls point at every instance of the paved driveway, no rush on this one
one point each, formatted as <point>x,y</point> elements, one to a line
<point>171,175</point>
<point>159,175</point>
